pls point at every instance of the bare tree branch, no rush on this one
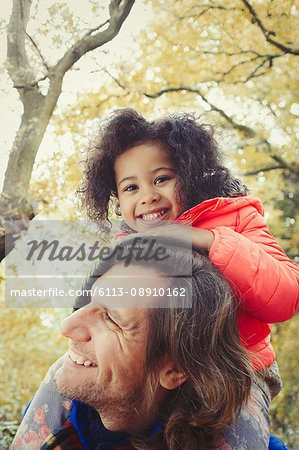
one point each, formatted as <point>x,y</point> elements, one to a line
<point>248,132</point>
<point>119,10</point>
<point>268,33</point>
<point>101,103</point>
<point>255,74</point>
<point>294,168</point>
<point>265,59</point>
<point>255,57</point>
<point>92,30</point>
<point>206,8</point>
<point>282,165</point>
<point>31,85</point>
<point>17,63</point>
<point>262,169</point>
<point>121,85</point>
<point>38,51</point>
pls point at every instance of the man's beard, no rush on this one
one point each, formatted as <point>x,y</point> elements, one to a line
<point>133,398</point>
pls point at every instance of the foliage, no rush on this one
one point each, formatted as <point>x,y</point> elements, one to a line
<point>25,358</point>
<point>53,184</point>
<point>9,422</point>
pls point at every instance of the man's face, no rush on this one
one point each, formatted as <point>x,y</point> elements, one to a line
<point>105,366</point>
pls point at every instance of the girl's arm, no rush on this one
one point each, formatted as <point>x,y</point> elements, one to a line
<point>254,264</point>
<point>263,277</point>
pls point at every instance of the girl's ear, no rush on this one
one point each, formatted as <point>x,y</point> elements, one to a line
<point>170,376</point>
<point>117,209</point>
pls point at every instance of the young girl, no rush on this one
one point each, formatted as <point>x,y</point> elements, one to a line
<point>170,170</point>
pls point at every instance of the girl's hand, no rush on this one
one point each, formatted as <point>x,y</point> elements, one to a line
<point>202,238</point>
<point>196,236</point>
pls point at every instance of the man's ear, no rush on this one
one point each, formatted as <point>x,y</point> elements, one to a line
<point>170,376</point>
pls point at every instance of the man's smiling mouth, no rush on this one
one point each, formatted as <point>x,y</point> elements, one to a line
<point>153,216</point>
<point>80,360</point>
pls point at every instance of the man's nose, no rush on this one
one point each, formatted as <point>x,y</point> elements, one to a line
<point>75,326</point>
<point>149,196</point>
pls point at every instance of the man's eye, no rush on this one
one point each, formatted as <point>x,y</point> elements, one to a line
<point>161,179</point>
<point>108,319</point>
<point>130,188</point>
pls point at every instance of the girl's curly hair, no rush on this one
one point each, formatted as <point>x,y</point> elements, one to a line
<point>192,147</point>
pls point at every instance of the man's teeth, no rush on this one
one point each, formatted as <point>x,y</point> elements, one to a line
<point>80,360</point>
<point>154,216</point>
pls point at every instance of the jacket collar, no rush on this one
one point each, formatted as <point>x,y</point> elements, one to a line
<point>220,205</point>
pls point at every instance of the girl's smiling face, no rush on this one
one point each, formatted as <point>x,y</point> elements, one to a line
<point>146,186</point>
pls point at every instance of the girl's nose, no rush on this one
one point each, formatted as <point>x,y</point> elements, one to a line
<point>76,327</point>
<point>150,196</point>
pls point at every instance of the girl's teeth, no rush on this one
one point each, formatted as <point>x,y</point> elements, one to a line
<point>153,216</point>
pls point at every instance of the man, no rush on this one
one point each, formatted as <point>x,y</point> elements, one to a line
<point>154,361</point>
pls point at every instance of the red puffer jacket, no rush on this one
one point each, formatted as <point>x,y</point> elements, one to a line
<point>245,252</point>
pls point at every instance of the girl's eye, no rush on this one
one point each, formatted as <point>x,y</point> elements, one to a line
<point>161,179</point>
<point>130,188</point>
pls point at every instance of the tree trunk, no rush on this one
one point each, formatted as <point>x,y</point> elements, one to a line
<point>34,122</point>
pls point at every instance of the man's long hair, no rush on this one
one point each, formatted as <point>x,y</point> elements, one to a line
<point>202,339</point>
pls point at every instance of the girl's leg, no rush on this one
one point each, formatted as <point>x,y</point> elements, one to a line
<point>47,410</point>
<point>251,431</point>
